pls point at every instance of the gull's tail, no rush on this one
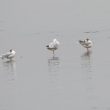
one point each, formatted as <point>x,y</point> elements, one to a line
<point>47,45</point>
<point>81,42</point>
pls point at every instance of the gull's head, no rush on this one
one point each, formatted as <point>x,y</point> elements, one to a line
<point>11,50</point>
<point>56,41</point>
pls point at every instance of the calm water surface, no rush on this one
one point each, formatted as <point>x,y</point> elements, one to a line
<point>71,80</point>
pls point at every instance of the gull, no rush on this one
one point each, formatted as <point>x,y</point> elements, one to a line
<point>53,45</point>
<point>87,43</point>
<point>9,55</point>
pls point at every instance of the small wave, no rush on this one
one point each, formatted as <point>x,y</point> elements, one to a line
<point>91,32</point>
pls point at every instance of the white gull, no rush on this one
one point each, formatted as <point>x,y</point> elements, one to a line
<point>53,45</point>
<point>87,43</point>
<point>9,55</point>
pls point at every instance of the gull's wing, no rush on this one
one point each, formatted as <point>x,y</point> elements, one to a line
<point>51,45</point>
<point>11,56</point>
<point>6,55</point>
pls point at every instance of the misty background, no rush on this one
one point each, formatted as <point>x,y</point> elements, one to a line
<point>73,79</point>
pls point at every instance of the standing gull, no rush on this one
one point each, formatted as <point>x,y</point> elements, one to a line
<point>87,43</point>
<point>53,45</point>
<point>9,55</point>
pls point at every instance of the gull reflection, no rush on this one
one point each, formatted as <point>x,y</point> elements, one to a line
<point>55,87</point>
<point>87,68</point>
<point>10,69</point>
<point>88,78</point>
<point>86,61</point>
<point>53,64</point>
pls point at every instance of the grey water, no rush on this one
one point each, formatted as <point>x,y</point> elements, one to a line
<point>73,79</point>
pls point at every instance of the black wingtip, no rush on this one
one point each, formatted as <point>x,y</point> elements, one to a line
<point>80,41</point>
<point>47,45</point>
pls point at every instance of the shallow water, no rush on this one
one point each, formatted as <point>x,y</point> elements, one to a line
<point>71,80</point>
